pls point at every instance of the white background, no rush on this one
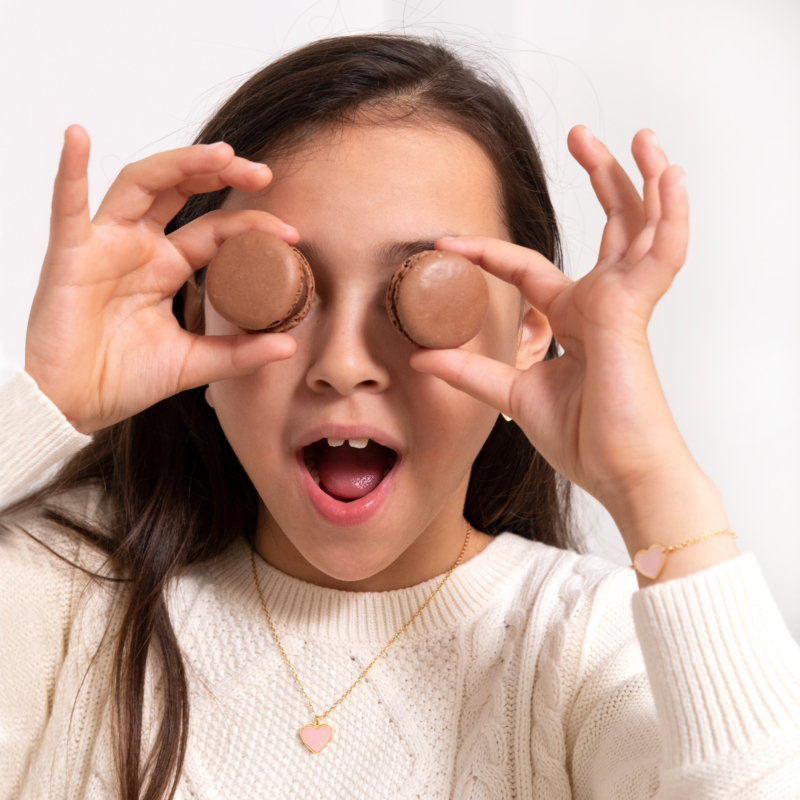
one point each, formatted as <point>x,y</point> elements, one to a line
<point>718,82</point>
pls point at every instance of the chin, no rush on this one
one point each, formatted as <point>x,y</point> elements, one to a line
<point>350,562</point>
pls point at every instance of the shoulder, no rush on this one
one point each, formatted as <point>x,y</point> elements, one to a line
<point>587,661</point>
<point>573,609</point>
<point>36,534</point>
<point>46,568</point>
<point>554,579</point>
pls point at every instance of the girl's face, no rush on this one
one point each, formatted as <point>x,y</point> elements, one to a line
<point>364,198</point>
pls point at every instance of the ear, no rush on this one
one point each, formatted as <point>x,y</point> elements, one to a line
<point>534,338</point>
<point>193,316</point>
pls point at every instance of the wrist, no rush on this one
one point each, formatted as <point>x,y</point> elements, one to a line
<point>669,509</point>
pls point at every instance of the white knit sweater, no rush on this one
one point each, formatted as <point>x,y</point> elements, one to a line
<point>535,673</point>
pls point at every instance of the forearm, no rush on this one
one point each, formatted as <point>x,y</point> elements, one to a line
<point>670,508</point>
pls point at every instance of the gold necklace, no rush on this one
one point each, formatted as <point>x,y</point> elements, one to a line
<point>315,736</point>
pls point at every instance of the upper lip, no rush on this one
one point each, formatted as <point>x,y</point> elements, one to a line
<point>350,431</point>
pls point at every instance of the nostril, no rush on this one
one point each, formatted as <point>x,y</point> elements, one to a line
<point>344,369</point>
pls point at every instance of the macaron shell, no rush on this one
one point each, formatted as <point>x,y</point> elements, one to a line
<point>438,299</point>
<point>259,283</point>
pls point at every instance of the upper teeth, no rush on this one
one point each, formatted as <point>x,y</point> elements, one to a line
<point>358,443</point>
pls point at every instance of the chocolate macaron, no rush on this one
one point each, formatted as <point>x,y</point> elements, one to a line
<point>437,299</point>
<point>259,283</point>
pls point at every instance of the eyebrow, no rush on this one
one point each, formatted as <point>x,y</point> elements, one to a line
<point>387,255</point>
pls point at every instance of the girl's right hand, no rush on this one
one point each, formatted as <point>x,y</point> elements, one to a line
<point>102,342</point>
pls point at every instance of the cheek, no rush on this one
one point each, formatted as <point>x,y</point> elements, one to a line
<point>251,410</point>
<point>248,407</point>
<point>214,324</point>
<point>449,427</point>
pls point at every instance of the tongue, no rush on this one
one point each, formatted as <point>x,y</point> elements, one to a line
<point>348,472</point>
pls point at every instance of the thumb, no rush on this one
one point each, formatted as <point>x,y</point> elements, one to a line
<point>216,358</point>
<point>481,377</point>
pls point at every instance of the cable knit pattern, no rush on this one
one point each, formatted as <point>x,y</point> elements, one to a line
<point>535,673</point>
<point>550,692</point>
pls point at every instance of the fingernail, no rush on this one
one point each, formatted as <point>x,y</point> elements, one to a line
<point>682,179</point>
<point>655,140</point>
<point>256,165</point>
<point>288,228</point>
<point>214,146</point>
<point>588,133</point>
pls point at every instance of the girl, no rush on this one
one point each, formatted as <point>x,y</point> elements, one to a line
<point>205,602</point>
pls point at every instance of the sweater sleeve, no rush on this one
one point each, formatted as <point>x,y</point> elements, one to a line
<point>35,435</point>
<point>725,676</point>
<point>38,590</point>
<point>700,699</point>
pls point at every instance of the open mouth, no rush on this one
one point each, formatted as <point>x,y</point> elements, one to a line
<point>348,469</point>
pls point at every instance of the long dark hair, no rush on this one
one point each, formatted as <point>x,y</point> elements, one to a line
<point>177,493</point>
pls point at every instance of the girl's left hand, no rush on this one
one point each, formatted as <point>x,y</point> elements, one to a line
<point>597,413</point>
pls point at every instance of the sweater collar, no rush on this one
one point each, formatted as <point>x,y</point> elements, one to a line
<point>370,617</point>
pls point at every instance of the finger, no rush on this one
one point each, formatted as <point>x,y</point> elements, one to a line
<point>249,176</point>
<point>667,254</point>
<point>70,223</point>
<point>138,185</point>
<point>614,189</point>
<point>652,161</point>
<point>217,358</point>
<point>483,378</point>
<point>537,278</point>
<point>199,240</point>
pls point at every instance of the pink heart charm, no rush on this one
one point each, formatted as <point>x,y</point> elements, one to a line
<point>650,562</point>
<point>316,737</point>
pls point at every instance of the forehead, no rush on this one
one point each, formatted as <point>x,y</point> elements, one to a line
<point>402,177</point>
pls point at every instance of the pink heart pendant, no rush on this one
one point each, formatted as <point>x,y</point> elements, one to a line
<point>316,737</point>
<point>650,562</point>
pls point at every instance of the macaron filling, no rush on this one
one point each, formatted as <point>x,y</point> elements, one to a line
<point>348,469</point>
<point>303,303</point>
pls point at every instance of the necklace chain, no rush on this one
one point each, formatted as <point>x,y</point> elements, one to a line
<point>319,717</point>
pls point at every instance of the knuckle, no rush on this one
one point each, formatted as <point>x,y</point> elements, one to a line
<point>184,191</point>
<point>125,173</point>
<point>518,275</point>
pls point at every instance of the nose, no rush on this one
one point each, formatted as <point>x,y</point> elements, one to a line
<point>346,355</point>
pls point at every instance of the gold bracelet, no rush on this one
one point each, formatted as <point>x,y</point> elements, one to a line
<point>651,562</point>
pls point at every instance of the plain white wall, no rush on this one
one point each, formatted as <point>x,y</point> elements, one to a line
<point>717,80</point>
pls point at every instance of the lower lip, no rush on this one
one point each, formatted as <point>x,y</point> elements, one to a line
<point>356,512</point>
